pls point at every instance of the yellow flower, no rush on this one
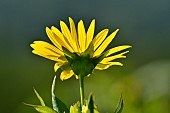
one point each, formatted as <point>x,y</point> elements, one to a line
<point>77,51</point>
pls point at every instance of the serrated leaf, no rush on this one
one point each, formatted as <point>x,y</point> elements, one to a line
<point>39,98</point>
<point>42,109</point>
<point>58,105</point>
<point>119,106</point>
<point>75,108</point>
<point>85,109</point>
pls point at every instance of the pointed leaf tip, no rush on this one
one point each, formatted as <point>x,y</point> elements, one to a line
<point>119,106</point>
<point>58,105</point>
<point>39,98</point>
<point>91,103</point>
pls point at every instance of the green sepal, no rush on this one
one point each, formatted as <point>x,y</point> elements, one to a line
<point>101,57</point>
<point>58,105</point>
<point>42,109</point>
<point>68,54</point>
<point>65,66</point>
<point>119,106</point>
<point>89,50</point>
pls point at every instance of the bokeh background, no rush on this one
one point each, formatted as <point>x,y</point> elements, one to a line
<point>144,79</point>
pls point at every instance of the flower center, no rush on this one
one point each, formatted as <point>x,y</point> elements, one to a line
<point>83,65</point>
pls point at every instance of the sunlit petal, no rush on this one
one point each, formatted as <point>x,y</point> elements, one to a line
<point>52,38</point>
<point>61,39</point>
<point>45,55</point>
<point>106,42</point>
<point>99,38</point>
<point>56,66</point>
<point>44,50</point>
<point>74,34</point>
<point>117,49</point>
<point>67,34</point>
<point>45,45</point>
<point>90,33</point>
<point>121,55</point>
<point>66,74</point>
<point>101,66</point>
<point>81,36</point>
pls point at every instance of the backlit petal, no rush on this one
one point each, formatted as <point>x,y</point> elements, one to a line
<point>117,49</point>
<point>45,45</point>
<point>45,55</point>
<point>90,33</point>
<point>56,66</point>
<point>66,74</point>
<point>44,50</point>
<point>61,39</point>
<point>121,55</point>
<point>52,38</point>
<point>106,42</point>
<point>74,33</point>
<point>99,38</point>
<point>81,36</point>
<point>67,34</point>
<point>101,66</point>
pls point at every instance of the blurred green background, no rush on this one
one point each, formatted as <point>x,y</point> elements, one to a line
<point>144,79</point>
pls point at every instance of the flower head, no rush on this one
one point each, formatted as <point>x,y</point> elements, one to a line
<point>77,51</point>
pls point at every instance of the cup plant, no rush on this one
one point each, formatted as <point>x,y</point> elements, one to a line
<point>78,53</point>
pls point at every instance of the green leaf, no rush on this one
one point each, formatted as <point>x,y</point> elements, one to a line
<point>39,97</point>
<point>58,105</point>
<point>42,109</point>
<point>91,103</point>
<point>119,106</point>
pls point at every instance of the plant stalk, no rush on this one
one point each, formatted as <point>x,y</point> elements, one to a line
<point>81,82</point>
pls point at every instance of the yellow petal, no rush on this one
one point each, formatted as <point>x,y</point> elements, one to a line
<point>117,49</point>
<point>81,36</point>
<point>101,66</point>
<point>106,42</point>
<point>61,39</point>
<point>45,45</point>
<point>121,55</point>
<point>90,33</point>
<point>46,51</point>
<point>99,38</point>
<point>67,34</point>
<point>52,38</point>
<point>45,55</point>
<point>66,74</point>
<point>74,33</point>
<point>57,66</point>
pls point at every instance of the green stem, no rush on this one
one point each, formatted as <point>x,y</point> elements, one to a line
<point>81,82</point>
